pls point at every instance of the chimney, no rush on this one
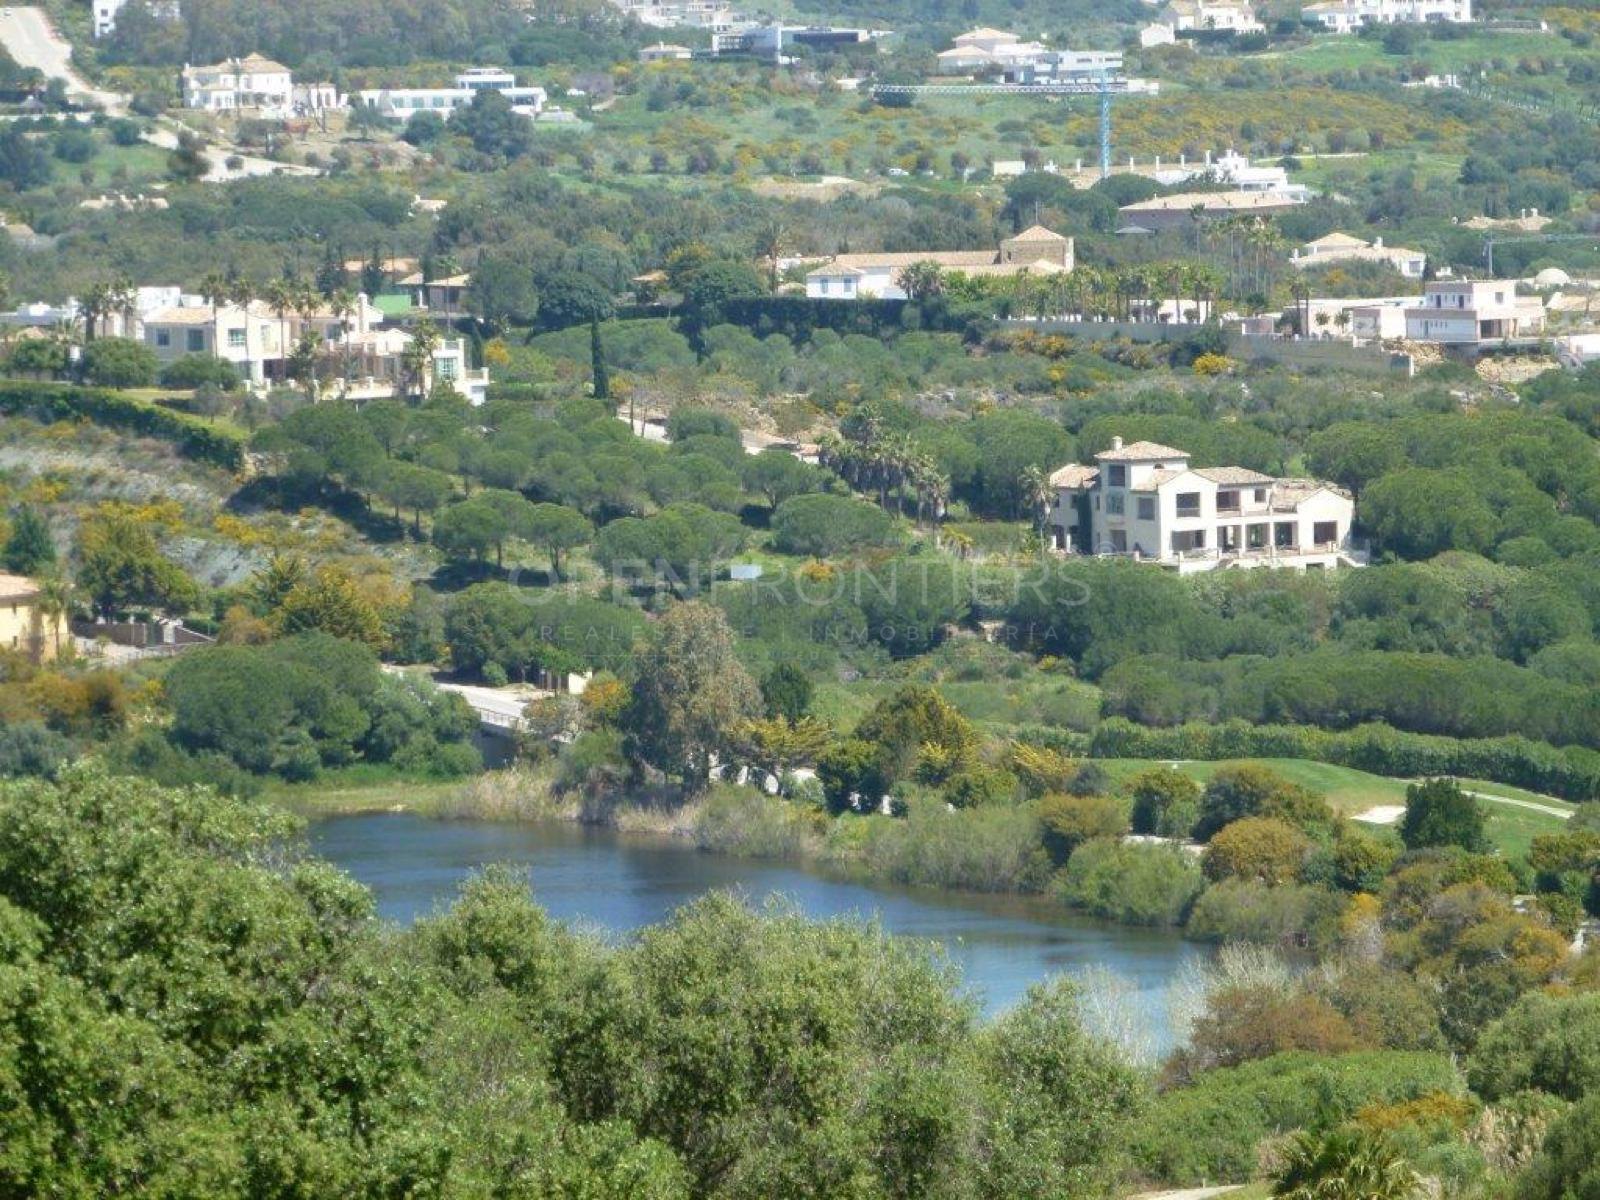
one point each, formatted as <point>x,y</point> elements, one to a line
<point>1116,442</point>
<point>1377,243</point>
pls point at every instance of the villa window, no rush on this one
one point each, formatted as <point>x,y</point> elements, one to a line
<point>1261,495</point>
<point>1118,476</point>
<point>1325,533</point>
<point>236,338</point>
<point>1188,504</point>
<point>446,368</point>
<point>1147,508</point>
<point>163,338</point>
<point>1228,502</point>
<point>1114,502</point>
<point>196,340</point>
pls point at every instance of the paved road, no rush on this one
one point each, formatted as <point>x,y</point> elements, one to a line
<point>32,41</point>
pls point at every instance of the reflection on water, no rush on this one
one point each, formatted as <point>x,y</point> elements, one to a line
<point>602,880</point>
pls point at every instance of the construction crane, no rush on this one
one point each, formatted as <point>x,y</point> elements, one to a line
<point>1490,242</point>
<point>1102,85</point>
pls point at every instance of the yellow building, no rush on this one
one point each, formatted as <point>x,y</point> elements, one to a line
<point>23,624</point>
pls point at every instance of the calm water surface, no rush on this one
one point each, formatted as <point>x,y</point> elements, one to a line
<point>613,883</point>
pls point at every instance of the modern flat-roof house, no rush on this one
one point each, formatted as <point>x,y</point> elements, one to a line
<point>1342,247</point>
<point>1034,251</point>
<point>24,626</point>
<point>1178,211</point>
<point>1471,312</point>
<point>1347,16</point>
<point>403,103</point>
<point>1143,501</point>
<point>250,82</point>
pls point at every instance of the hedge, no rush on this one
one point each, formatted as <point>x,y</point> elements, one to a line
<point>61,402</point>
<point>1572,772</point>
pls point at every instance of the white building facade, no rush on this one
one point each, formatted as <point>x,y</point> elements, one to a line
<point>1471,312</point>
<point>252,82</point>
<point>1347,16</point>
<point>404,103</point>
<point>1144,502</point>
<point>1342,247</point>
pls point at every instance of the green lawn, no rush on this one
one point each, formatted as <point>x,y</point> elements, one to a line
<point>1511,828</point>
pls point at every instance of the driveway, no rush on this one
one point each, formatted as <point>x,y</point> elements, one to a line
<point>32,41</point>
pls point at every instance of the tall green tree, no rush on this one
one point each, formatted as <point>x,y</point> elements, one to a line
<point>692,693</point>
<point>29,548</point>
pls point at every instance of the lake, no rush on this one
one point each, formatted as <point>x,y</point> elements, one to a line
<point>614,884</point>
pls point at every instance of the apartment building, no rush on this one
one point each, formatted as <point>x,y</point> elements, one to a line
<point>1470,312</point>
<point>1034,251</point>
<point>1347,16</point>
<point>1143,501</point>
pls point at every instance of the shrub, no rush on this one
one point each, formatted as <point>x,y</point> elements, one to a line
<point>978,849</point>
<point>1070,821</point>
<point>742,821</point>
<point>1568,1167</point>
<point>1439,813</point>
<point>1551,1043</point>
<point>119,363</point>
<point>1263,849</point>
<point>194,371</point>
<point>1134,884</point>
<point>53,402</point>
<point>1210,1129</point>
<point>1166,803</point>
<point>1292,916</point>
<point>981,787</point>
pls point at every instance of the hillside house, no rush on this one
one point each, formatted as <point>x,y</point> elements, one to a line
<point>1181,210</point>
<point>252,82</point>
<point>1342,247</point>
<point>357,357</point>
<point>1034,251</point>
<point>24,625</point>
<point>1473,312</point>
<point>665,52</point>
<point>1347,16</point>
<point>1200,16</point>
<point>1144,501</point>
<point>402,104</point>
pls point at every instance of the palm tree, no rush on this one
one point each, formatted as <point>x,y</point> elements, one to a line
<point>1344,1165</point>
<point>1037,495</point>
<point>769,247</point>
<point>416,360</point>
<point>216,291</point>
<point>921,280</point>
<point>343,303</point>
<point>280,296</point>
<point>56,598</point>
<point>92,306</point>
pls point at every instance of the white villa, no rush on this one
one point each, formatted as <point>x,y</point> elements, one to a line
<point>1144,501</point>
<point>361,360</point>
<point>1034,251</point>
<point>1347,16</point>
<point>1471,312</point>
<point>403,103</point>
<point>1185,16</point>
<point>1342,247</point>
<point>250,82</point>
